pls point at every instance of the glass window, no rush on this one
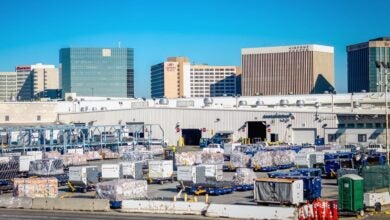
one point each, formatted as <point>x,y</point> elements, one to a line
<point>341,125</point>
<point>360,125</point>
<point>362,138</point>
<point>377,125</point>
<point>369,125</point>
<point>350,125</point>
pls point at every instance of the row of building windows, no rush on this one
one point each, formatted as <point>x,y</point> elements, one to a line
<point>362,125</point>
<point>334,137</point>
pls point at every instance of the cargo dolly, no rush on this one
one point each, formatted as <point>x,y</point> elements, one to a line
<point>264,169</point>
<point>210,188</point>
<point>161,180</point>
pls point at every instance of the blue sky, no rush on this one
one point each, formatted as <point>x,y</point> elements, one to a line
<point>206,31</point>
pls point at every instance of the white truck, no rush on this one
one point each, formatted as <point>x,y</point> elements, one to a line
<point>213,148</point>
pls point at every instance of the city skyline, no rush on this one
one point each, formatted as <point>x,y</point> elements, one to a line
<point>214,35</point>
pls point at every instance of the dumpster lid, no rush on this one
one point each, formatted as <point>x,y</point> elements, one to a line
<point>352,176</point>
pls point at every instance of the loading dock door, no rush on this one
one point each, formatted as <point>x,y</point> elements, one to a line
<point>257,129</point>
<point>191,136</point>
<point>304,136</point>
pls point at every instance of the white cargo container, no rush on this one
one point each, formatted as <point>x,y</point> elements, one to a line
<point>306,160</point>
<point>194,174</point>
<point>83,176</point>
<point>281,191</point>
<point>214,171</point>
<point>37,154</point>
<point>229,148</point>
<point>132,170</point>
<point>160,169</point>
<point>319,158</point>
<point>111,171</point>
<point>24,162</point>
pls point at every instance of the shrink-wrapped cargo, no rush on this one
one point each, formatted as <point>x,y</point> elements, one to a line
<point>93,155</point>
<point>160,169</point>
<point>52,154</point>
<point>76,151</point>
<point>262,159</point>
<point>238,159</point>
<point>212,158</point>
<point>36,187</point>
<point>74,159</point>
<point>46,167</point>
<point>283,157</point>
<point>134,156</point>
<point>188,158</point>
<point>244,176</point>
<point>156,149</point>
<point>122,189</point>
<point>108,154</point>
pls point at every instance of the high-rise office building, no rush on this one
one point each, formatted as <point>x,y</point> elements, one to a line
<point>34,80</point>
<point>8,86</point>
<point>178,78</point>
<point>299,69</point>
<point>362,71</point>
<point>107,72</point>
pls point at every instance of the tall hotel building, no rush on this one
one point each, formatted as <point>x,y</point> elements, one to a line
<point>104,72</point>
<point>362,71</point>
<point>34,80</point>
<point>178,78</point>
<point>299,69</point>
<point>8,86</point>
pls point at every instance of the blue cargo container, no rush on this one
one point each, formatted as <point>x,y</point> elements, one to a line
<point>309,172</point>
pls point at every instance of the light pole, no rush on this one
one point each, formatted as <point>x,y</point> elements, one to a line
<point>386,67</point>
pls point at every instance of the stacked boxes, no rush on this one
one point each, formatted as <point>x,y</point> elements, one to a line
<point>238,159</point>
<point>262,159</point>
<point>212,158</point>
<point>74,159</point>
<point>188,158</point>
<point>108,154</point>
<point>52,154</point>
<point>36,187</point>
<point>244,176</point>
<point>93,155</point>
<point>122,189</point>
<point>46,167</point>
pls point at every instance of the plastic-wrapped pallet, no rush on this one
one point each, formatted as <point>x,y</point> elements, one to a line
<point>9,169</point>
<point>156,149</point>
<point>212,158</point>
<point>126,148</point>
<point>137,156</point>
<point>52,154</point>
<point>187,158</point>
<point>108,154</point>
<point>46,167</point>
<point>76,151</point>
<point>93,155</point>
<point>160,169</point>
<point>72,159</point>
<point>244,176</point>
<point>283,157</point>
<point>122,189</point>
<point>36,187</point>
<point>262,159</point>
<point>238,159</point>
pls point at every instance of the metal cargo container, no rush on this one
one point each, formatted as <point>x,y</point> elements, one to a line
<point>111,171</point>
<point>160,169</point>
<point>24,162</point>
<point>193,174</point>
<point>351,194</point>
<point>214,172</point>
<point>83,176</point>
<point>274,190</point>
<point>132,170</point>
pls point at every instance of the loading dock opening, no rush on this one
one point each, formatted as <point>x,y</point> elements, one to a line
<point>257,129</point>
<point>191,136</point>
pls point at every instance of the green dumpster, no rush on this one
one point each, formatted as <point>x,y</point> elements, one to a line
<point>351,194</point>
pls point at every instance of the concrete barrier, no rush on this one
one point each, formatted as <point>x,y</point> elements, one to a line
<point>251,212</point>
<point>71,204</point>
<point>16,202</point>
<point>164,207</point>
